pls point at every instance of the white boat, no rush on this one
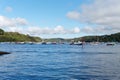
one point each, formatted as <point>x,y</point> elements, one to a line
<point>76,43</point>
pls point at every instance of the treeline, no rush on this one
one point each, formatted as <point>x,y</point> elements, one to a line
<point>104,38</point>
<point>17,37</point>
<point>54,40</point>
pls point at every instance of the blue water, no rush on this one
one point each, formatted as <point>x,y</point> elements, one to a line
<point>60,62</point>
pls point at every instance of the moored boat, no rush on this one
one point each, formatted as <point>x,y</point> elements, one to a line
<point>43,43</point>
<point>2,53</point>
<point>76,43</point>
<point>110,44</point>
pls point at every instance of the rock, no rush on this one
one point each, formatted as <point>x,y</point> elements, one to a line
<point>2,53</point>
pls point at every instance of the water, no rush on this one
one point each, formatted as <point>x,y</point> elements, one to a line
<point>60,62</point>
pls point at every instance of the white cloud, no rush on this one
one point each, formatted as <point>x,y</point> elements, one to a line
<point>76,30</point>
<point>15,29</point>
<point>17,25</point>
<point>20,21</point>
<point>12,22</point>
<point>57,30</point>
<point>37,30</point>
<point>73,15</point>
<point>87,29</point>
<point>8,9</point>
<point>4,21</point>
<point>103,13</point>
<point>99,30</point>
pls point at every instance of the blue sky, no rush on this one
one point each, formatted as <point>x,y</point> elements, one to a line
<point>59,18</point>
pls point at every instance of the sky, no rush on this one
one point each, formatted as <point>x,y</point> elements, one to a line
<point>60,18</point>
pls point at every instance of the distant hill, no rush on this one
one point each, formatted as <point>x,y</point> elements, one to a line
<point>17,37</point>
<point>103,38</point>
<point>54,40</point>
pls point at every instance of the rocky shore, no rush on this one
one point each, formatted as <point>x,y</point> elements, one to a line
<point>2,53</point>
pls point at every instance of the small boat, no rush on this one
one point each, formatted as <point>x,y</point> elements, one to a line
<point>43,43</point>
<point>110,44</point>
<point>76,43</point>
<point>72,43</point>
<point>2,53</point>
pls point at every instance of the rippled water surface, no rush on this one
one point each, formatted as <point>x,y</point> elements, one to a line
<point>60,62</point>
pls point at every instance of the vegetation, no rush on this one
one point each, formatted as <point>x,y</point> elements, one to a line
<point>17,37</point>
<point>1,32</point>
<point>104,38</point>
<point>54,40</point>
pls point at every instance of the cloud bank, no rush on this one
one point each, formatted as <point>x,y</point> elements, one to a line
<point>57,30</point>
<point>104,14</point>
<point>16,25</point>
<point>12,22</point>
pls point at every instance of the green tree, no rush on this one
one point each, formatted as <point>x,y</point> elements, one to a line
<point>1,32</point>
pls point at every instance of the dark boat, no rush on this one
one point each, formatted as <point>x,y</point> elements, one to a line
<point>72,43</point>
<point>2,53</point>
<point>44,43</point>
<point>110,44</point>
